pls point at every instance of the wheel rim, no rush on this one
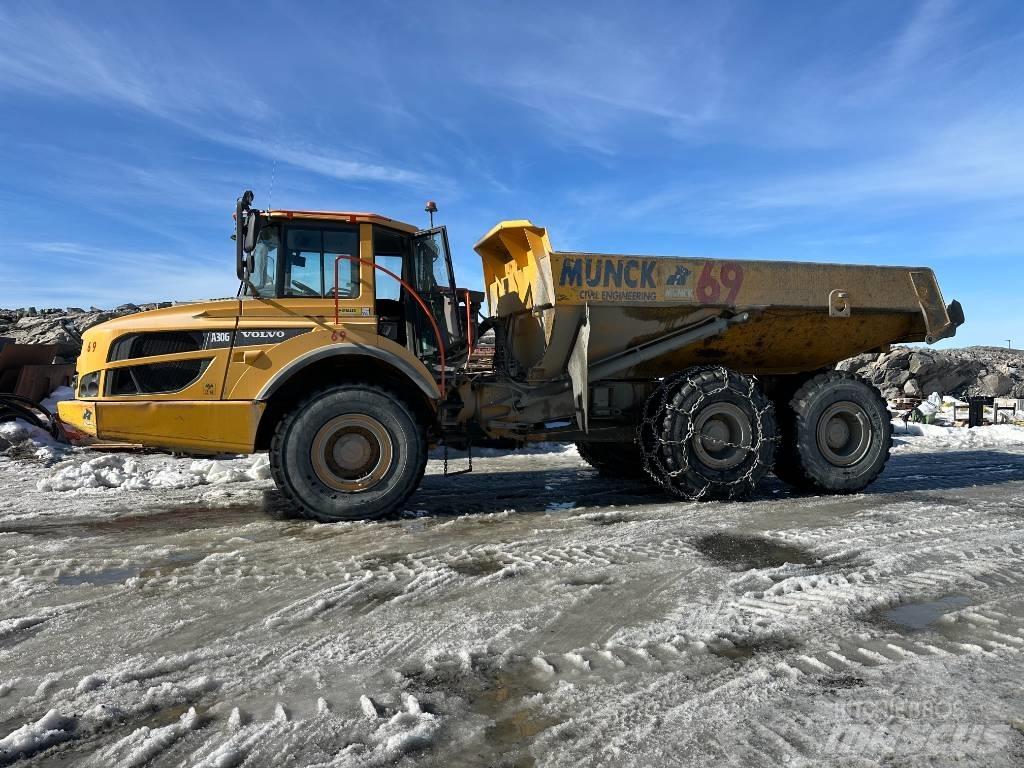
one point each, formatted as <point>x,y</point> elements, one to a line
<point>721,437</point>
<point>351,452</point>
<point>844,433</point>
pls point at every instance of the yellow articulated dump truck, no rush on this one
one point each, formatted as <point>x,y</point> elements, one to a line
<point>351,350</point>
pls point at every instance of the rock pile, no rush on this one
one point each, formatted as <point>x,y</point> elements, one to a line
<point>60,326</point>
<point>919,371</point>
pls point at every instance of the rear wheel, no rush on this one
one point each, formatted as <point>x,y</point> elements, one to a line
<point>708,433</point>
<point>348,453</point>
<point>836,435</point>
<point>620,461</point>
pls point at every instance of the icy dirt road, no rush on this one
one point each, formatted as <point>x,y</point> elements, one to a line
<point>527,614</point>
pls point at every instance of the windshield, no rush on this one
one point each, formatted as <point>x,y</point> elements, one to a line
<point>264,273</point>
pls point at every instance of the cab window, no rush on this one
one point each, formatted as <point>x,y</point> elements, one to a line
<point>310,261</point>
<point>389,248</point>
<point>344,242</point>
<point>304,272</point>
<point>264,275</point>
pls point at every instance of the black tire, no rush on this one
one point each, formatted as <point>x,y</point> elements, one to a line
<point>617,461</point>
<point>781,389</point>
<point>708,433</point>
<point>353,452</point>
<point>836,435</point>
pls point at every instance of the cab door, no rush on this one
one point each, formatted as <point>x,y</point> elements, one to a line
<point>434,280</point>
<point>301,309</point>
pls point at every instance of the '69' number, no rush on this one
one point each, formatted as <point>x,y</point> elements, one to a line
<point>709,285</point>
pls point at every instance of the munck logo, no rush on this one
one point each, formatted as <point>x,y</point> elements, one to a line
<point>675,285</point>
<point>679,277</point>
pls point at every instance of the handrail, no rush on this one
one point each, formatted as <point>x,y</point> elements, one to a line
<point>469,326</point>
<point>409,288</point>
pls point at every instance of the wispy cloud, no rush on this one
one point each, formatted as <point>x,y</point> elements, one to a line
<point>924,30</point>
<point>899,63</point>
<point>976,159</point>
<point>587,77</point>
<point>42,51</point>
<point>327,163</point>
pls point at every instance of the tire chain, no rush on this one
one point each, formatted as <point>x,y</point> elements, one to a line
<point>658,405</point>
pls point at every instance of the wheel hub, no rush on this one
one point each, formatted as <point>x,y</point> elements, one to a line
<point>844,433</point>
<point>721,437</point>
<point>351,452</point>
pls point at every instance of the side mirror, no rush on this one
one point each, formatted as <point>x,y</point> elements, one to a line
<point>245,235</point>
<point>252,231</point>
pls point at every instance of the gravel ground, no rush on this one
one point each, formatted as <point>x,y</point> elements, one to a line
<point>529,613</point>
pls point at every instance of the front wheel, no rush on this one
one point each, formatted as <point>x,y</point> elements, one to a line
<point>348,453</point>
<point>836,435</point>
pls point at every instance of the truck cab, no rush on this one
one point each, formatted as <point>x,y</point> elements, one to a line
<point>364,268</point>
<point>325,296</point>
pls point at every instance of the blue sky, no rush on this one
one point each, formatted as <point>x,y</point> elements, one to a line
<point>888,132</point>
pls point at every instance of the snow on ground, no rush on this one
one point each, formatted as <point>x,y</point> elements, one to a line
<point>163,611</point>
<point>934,437</point>
<point>112,471</point>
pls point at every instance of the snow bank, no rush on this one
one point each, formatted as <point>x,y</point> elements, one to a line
<point>27,436</point>
<point>52,728</point>
<point>59,395</point>
<point>115,471</point>
<point>930,436</point>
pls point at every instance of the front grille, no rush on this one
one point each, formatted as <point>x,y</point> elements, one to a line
<point>155,378</point>
<point>157,343</point>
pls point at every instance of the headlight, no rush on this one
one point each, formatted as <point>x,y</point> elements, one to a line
<point>89,385</point>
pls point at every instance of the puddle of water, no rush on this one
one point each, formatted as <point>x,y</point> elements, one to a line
<point>752,551</point>
<point>375,596</point>
<point>511,733</point>
<point>477,566</point>
<point>381,560</point>
<point>920,616</point>
<point>171,563</point>
<point>160,520</point>
<point>589,580</point>
<point>498,695</point>
<point>98,578</point>
<point>745,649</point>
<point>559,506</point>
<point>836,682</point>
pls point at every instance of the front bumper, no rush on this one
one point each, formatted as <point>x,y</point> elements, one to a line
<point>79,414</point>
<point>200,426</point>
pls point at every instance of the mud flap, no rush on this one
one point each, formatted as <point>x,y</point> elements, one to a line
<point>578,370</point>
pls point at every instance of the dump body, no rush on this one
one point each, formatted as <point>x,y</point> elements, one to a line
<point>801,316</point>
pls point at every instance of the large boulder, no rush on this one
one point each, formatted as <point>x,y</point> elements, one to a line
<point>919,371</point>
<point>45,329</point>
<point>996,384</point>
<point>856,363</point>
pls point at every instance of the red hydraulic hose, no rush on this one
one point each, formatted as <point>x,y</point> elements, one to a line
<point>409,288</point>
